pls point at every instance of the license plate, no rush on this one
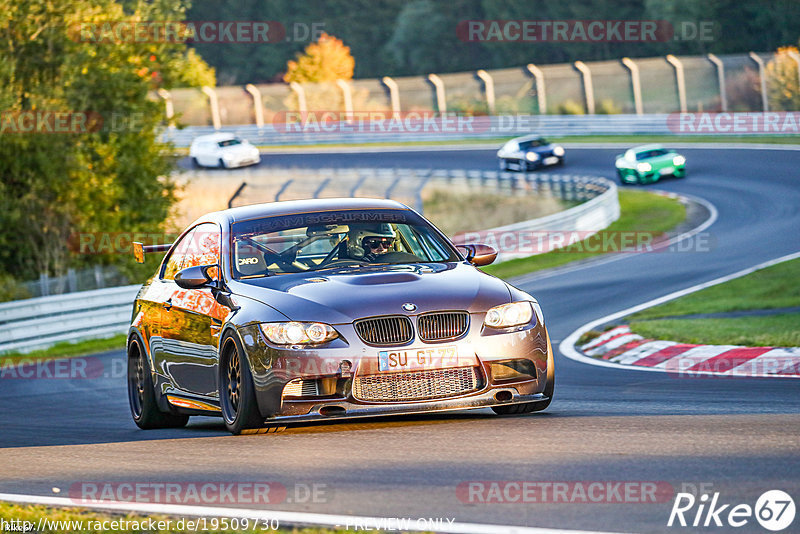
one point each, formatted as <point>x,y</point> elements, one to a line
<point>552,160</point>
<point>423,358</point>
<point>667,170</point>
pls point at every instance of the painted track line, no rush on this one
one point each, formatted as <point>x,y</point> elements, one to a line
<point>284,518</point>
<point>567,346</point>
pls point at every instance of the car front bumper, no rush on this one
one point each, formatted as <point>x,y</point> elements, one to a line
<point>522,164</point>
<point>273,368</point>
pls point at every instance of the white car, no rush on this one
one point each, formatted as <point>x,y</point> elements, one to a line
<point>223,150</point>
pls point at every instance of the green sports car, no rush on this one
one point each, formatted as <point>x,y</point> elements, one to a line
<point>648,163</point>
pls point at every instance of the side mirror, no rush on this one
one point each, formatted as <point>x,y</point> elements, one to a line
<point>478,254</point>
<point>196,277</point>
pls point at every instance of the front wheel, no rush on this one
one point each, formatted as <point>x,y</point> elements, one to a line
<point>237,395</point>
<point>141,396</point>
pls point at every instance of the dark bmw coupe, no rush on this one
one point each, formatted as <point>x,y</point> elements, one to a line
<point>329,309</point>
<point>529,153</point>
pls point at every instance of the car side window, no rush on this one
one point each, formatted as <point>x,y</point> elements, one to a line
<point>176,257</point>
<point>204,247</point>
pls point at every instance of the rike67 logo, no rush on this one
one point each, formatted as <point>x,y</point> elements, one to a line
<point>774,510</point>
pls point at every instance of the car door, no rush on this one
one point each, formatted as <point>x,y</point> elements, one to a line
<point>193,321</point>
<point>207,157</point>
<point>160,294</point>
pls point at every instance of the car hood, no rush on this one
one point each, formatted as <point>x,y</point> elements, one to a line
<point>344,295</point>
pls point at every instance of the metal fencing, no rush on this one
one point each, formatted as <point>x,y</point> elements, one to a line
<point>97,277</point>
<point>628,86</point>
<point>273,184</point>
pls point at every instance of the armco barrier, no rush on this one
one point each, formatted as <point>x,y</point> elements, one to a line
<point>481,127</point>
<point>586,218</point>
<point>37,323</point>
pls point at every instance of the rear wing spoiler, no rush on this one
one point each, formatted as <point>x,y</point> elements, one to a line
<point>139,250</point>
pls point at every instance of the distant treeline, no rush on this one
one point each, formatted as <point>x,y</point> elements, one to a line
<point>407,37</point>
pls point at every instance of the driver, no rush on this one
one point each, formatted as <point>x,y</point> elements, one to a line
<point>368,242</point>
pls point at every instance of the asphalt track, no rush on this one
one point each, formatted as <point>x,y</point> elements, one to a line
<point>739,437</point>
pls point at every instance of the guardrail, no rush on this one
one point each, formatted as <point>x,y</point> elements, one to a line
<point>585,219</point>
<point>38,323</point>
<point>480,127</point>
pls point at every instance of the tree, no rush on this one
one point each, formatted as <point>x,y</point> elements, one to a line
<point>783,87</point>
<point>112,175</point>
<point>327,60</point>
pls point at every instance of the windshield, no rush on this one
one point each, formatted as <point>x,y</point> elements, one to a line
<point>230,142</point>
<point>532,143</point>
<point>330,240</point>
<point>650,153</point>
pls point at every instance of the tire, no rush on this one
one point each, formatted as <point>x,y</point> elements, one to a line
<point>549,390</point>
<point>195,163</point>
<point>237,397</point>
<point>141,394</point>
<point>221,164</point>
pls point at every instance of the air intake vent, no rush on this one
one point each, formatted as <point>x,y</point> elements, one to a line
<point>301,388</point>
<point>416,385</point>
<point>389,330</point>
<point>442,325</point>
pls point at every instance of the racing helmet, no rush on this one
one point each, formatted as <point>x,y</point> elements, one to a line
<point>356,236</point>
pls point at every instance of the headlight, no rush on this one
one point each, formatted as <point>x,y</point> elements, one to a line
<point>558,151</point>
<point>678,160</point>
<point>531,156</point>
<point>644,167</point>
<point>511,314</point>
<point>295,333</point>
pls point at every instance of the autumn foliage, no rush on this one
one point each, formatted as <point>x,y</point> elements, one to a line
<point>326,60</point>
<point>782,79</point>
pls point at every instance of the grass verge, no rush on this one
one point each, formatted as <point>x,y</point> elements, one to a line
<point>640,211</point>
<point>760,331</point>
<point>68,349</point>
<point>770,288</point>
<point>89,522</point>
<point>774,287</point>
